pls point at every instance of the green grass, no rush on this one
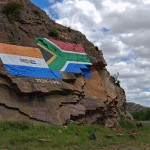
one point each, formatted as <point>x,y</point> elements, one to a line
<point>25,136</point>
<point>142,115</point>
<point>146,124</point>
<point>127,125</point>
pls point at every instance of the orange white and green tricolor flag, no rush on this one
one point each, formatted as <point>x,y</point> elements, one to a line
<point>25,61</point>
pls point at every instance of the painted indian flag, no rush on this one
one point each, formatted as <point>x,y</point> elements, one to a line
<point>25,61</point>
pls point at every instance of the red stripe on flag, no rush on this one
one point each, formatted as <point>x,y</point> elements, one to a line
<point>72,47</point>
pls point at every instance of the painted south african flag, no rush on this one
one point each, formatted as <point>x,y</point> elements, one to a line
<point>64,56</point>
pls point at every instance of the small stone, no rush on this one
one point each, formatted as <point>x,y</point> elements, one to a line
<point>65,127</point>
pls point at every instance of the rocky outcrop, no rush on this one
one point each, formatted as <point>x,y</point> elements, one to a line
<point>82,100</point>
<point>75,98</point>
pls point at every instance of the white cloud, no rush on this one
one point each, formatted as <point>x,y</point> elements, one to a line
<point>117,6</point>
<point>125,45</point>
<point>146,1</point>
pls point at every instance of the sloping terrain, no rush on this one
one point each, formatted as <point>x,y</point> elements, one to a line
<point>58,101</point>
<point>132,107</point>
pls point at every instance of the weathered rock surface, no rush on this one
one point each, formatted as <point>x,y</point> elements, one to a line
<point>83,100</point>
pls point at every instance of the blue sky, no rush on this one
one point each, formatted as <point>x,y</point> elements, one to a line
<point>41,3</point>
<point>44,3</point>
<point>120,29</point>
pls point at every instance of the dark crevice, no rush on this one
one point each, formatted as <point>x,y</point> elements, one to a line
<point>67,91</point>
<point>67,103</point>
<point>6,78</point>
<point>75,118</point>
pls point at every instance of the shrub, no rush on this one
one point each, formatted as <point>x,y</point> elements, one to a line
<point>69,29</point>
<point>115,79</point>
<point>12,11</point>
<point>118,82</point>
<point>96,48</point>
<point>54,34</point>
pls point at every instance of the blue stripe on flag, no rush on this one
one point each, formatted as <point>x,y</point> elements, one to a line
<point>84,69</point>
<point>35,72</point>
<point>57,74</point>
<point>75,68</point>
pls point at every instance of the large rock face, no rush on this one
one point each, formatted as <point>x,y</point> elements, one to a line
<point>83,100</point>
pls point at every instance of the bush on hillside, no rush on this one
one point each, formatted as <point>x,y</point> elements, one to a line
<point>69,29</point>
<point>54,34</point>
<point>12,11</point>
<point>96,48</point>
<point>115,79</point>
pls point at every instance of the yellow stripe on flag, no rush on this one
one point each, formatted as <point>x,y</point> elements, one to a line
<point>53,57</point>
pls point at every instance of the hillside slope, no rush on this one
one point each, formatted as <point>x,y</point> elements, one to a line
<point>84,100</point>
<point>132,107</point>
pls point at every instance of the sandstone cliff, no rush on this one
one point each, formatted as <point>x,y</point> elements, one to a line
<point>82,100</point>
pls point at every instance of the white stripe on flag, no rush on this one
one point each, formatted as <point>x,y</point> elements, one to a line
<point>68,62</point>
<point>23,61</point>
